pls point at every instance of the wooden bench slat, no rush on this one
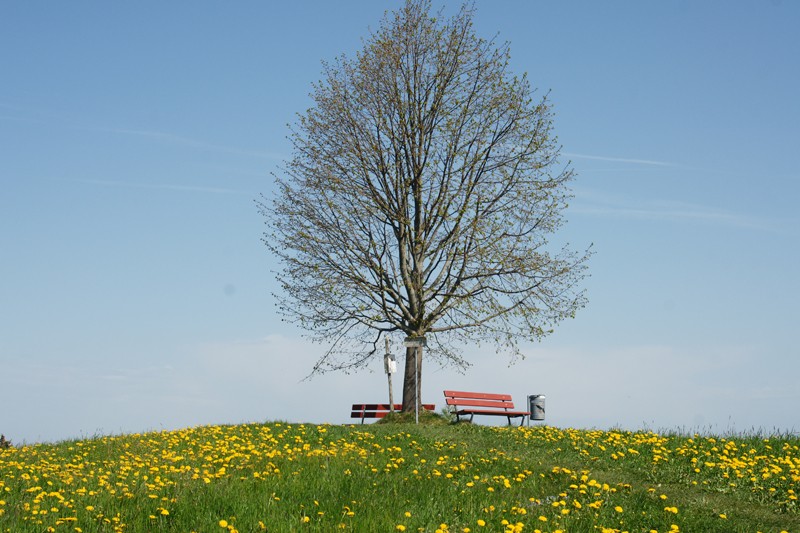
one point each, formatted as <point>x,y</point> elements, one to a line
<point>477,395</point>
<point>368,414</point>
<point>375,407</point>
<point>379,410</point>
<point>480,403</point>
<point>385,407</point>
<point>465,403</point>
<point>513,414</point>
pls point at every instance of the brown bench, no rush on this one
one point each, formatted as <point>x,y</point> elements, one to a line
<point>483,403</point>
<point>379,410</point>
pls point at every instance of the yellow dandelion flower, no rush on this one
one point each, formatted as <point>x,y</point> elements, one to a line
<point>223,523</point>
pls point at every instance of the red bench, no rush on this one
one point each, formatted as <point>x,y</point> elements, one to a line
<point>379,410</point>
<point>483,403</point>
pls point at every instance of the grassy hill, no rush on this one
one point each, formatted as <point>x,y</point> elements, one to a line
<point>402,477</point>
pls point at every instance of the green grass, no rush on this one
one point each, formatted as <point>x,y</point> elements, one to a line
<point>394,475</point>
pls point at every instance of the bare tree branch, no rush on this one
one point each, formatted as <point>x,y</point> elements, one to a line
<point>423,187</point>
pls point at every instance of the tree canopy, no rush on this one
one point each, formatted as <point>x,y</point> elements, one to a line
<point>420,197</point>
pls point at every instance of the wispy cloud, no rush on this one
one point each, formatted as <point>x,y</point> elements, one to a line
<point>170,138</point>
<point>46,118</point>
<point>159,186</point>
<point>592,203</point>
<point>619,159</point>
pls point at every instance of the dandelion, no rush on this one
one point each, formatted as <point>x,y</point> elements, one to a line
<point>481,523</point>
<point>223,524</point>
<point>723,516</point>
<point>400,527</point>
<point>618,509</point>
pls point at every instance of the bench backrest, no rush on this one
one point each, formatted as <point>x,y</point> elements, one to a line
<point>380,410</point>
<point>478,399</point>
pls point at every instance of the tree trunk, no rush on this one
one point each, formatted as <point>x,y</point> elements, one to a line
<point>412,385</point>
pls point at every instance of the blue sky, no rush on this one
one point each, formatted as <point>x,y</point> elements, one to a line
<point>135,293</point>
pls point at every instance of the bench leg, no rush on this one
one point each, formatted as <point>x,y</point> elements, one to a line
<point>521,421</point>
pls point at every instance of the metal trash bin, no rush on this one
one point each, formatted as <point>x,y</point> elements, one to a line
<point>536,406</point>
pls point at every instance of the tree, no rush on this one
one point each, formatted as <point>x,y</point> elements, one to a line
<point>422,189</point>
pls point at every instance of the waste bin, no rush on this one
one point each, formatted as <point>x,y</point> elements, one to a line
<point>536,406</point>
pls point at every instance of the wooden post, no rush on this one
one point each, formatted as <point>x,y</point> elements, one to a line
<point>389,377</point>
